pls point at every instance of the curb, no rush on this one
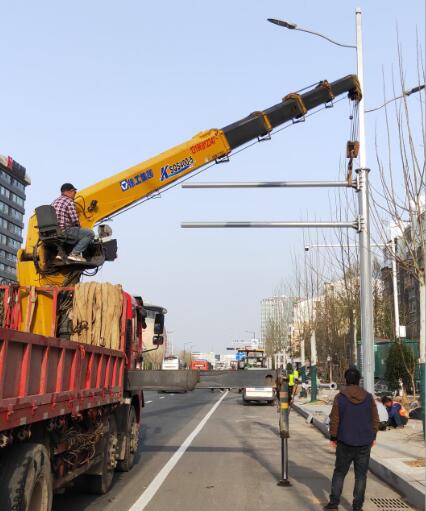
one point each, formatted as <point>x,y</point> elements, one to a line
<point>414,496</point>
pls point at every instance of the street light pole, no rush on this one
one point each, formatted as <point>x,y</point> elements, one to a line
<point>366,290</point>
<point>395,288</point>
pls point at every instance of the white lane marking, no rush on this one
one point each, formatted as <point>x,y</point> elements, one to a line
<point>162,397</point>
<point>147,402</point>
<point>159,479</point>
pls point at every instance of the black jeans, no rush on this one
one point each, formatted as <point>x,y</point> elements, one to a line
<point>345,455</point>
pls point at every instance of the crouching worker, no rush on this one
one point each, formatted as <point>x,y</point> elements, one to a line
<point>354,422</point>
<point>398,416</point>
<point>383,415</point>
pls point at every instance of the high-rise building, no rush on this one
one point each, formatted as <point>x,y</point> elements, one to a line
<point>276,318</point>
<point>13,180</point>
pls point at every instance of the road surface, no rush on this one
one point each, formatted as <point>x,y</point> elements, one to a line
<point>231,462</point>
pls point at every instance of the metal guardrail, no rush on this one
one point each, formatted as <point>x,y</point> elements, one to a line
<point>186,380</point>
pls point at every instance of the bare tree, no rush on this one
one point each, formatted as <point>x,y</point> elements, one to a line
<point>400,199</point>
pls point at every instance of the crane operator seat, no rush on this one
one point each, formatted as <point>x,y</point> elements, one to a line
<point>58,246</point>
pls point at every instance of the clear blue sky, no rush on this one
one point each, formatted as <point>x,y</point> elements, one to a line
<point>90,88</point>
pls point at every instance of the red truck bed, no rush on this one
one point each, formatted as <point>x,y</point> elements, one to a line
<point>43,377</point>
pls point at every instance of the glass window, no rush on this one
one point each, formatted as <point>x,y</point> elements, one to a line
<point>14,228</point>
<point>16,214</point>
<point>18,184</point>
<point>6,176</point>
<point>17,199</point>
<point>12,243</point>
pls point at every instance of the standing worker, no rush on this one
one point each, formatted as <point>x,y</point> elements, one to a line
<point>69,222</point>
<point>354,422</point>
<point>293,377</point>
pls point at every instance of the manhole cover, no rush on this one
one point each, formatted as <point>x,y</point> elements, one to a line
<point>390,504</point>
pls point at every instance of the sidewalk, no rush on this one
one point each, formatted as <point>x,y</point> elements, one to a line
<point>398,456</point>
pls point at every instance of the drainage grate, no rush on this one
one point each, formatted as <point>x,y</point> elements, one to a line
<point>390,504</point>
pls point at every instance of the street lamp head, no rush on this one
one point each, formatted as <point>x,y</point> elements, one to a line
<point>281,23</point>
<point>306,248</point>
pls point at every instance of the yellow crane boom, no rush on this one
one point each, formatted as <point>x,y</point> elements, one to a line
<point>95,203</point>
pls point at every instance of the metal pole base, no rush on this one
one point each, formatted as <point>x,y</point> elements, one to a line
<point>283,482</point>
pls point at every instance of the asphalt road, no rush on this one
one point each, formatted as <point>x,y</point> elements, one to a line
<point>232,463</point>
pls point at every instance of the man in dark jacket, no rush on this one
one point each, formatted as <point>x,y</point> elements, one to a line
<point>354,423</point>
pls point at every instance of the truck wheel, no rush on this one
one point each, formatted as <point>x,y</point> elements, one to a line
<point>25,478</point>
<point>101,483</point>
<point>132,434</point>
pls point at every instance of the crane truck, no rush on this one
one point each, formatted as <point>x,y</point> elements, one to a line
<point>70,401</point>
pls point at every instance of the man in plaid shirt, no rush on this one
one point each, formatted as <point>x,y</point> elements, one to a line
<point>69,222</point>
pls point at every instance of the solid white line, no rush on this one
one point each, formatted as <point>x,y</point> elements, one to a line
<point>159,479</point>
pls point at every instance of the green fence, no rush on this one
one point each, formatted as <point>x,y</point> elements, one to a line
<point>381,351</point>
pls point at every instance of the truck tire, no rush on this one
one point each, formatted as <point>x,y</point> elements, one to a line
<point>132,441</point>
<point>100,483</point>
<point>25,478</point>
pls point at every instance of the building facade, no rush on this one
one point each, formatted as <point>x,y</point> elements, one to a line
<point>13,181</point>
<point>276,319</point>
<point>409,264</point>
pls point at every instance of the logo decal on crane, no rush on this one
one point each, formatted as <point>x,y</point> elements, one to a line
<point>169,171</point>
<point>136,180</point>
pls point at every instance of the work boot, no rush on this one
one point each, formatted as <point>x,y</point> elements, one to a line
<point>331,506</point>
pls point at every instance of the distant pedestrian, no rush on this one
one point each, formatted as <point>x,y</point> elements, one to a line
<point>293,378</point>
<point>354,423</point>
<point>397,414</point>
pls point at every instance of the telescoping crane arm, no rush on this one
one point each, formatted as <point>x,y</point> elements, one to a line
<point>115,193</point>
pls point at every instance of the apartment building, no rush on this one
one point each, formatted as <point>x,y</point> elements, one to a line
<point>13,181</point>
